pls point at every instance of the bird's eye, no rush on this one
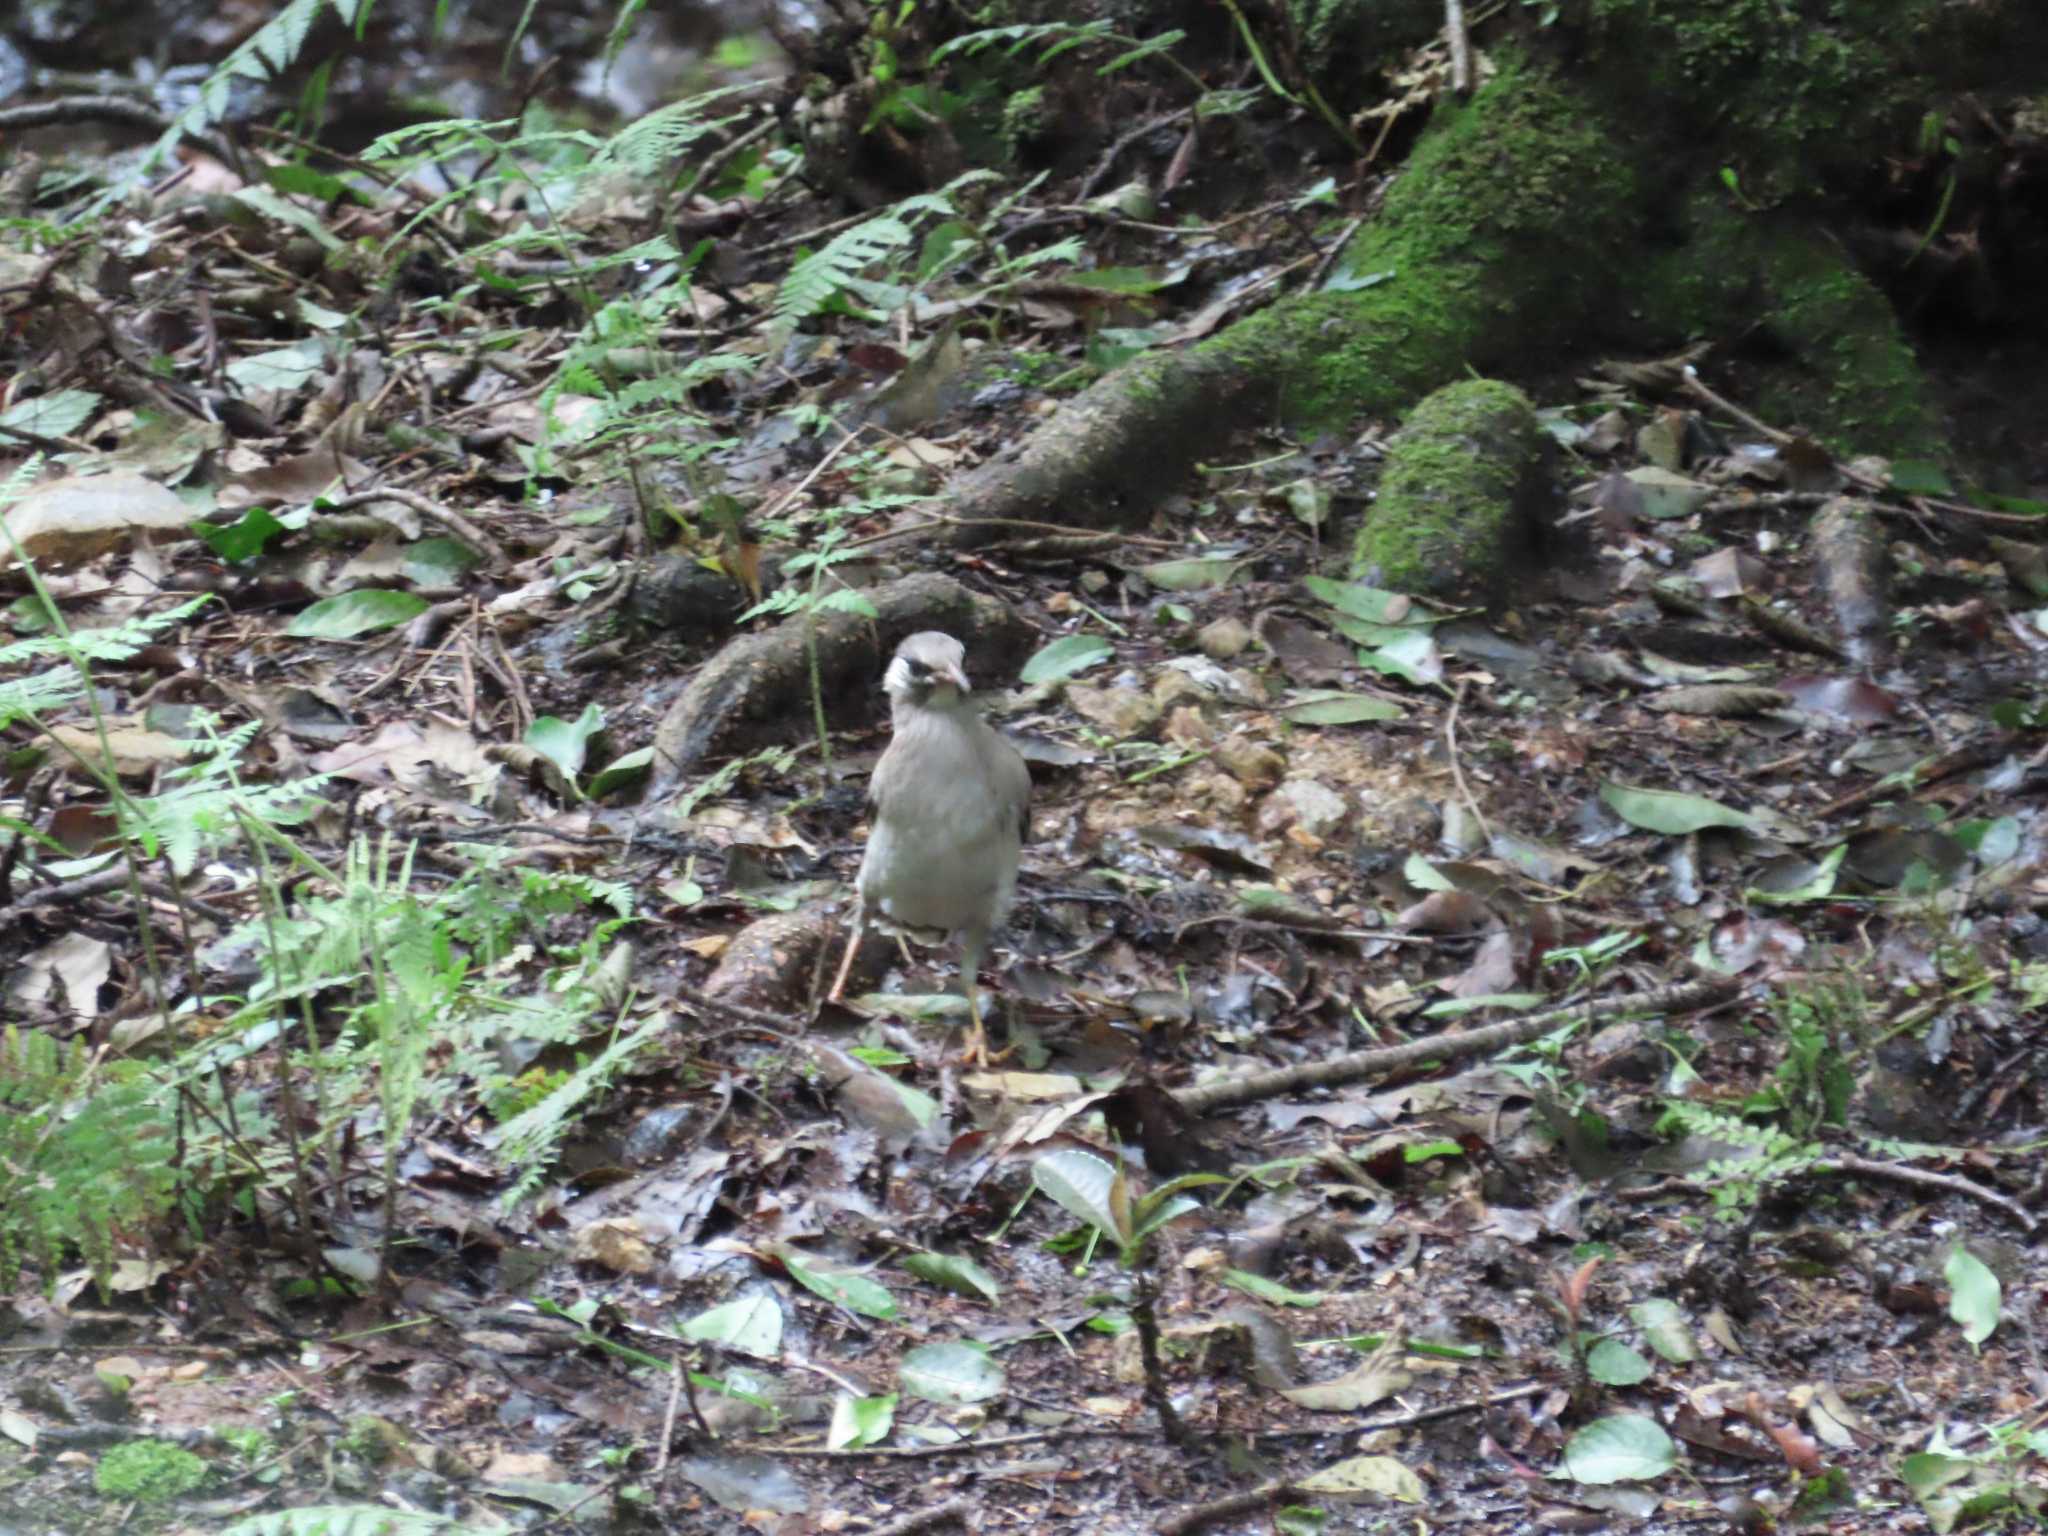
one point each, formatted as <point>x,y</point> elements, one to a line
<point>918,669</point>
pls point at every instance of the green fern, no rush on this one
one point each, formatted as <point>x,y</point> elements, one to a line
<point>1058,37</point>
<point>822,276</point>
<point>41,693</point>
<point>266,53</point>
<point>82,1161</point>
<point>528,1141</point>
<point>649,143</point>
<point>1738,1182</point>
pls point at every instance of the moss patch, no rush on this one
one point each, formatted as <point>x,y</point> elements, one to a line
<point>1493,246</point>
<point>1450,519</point>
<point>1843,368</point>
<point>149,1471</point>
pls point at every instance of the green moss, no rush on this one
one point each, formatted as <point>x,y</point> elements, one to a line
<point>150,1471</point>
<point>1784,93</point>
<point>1024,119</point>
<point>1493,245</point>
<point>1449,518</point>
<point>370,1440</point>
<point>1845,371</point>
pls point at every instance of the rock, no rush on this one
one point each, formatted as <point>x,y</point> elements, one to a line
<point>1173,687</point>
<point>1223,639</point>
<point>1216,792</point>
<point>1123,711</point>
<point>1189,727</point>
<point>1305,803</point>
<point>1250,762</point>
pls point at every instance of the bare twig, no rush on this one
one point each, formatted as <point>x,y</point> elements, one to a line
<point>1253,1086</point>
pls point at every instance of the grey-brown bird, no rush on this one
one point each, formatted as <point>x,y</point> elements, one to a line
<point>949,807</point>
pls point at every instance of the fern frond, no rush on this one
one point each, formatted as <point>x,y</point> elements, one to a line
<point>264,54</point>
<point>814,281</point>
<point>649,143</point>
<point>528,1140</point>
<point>1058,35</point>
<point>82,1161</point>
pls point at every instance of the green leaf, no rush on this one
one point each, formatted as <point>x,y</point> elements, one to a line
<point>1974,1294</point>
<point>1667,496</point>
<point>752,1325</point>
<point>1332,706</point>
<point>57,414</point>
<point>1425,876</point>
<point>355,613</point>
<point>1271,1290</point>
<point>286,369</point>
<point>621,771</point>
<point>1626,1448</point>
<point>964,1277</point>
<point>858,1422</point>
<point>1375,605</point>
<point>1664,1329</point>
<point>1668,811</point>
<point>1087,1187</point>
<point>958,1371</point>
<point>1382,1475</point>
<point>1818,886</point>
<point>243,539</point>
<point>1191,575</point>
<point>1612,1363</point>
<point>566,743</point>
<point>1927,1472</point>
<point>854,1292</point>
<point>1921,477</point>
<point>1066,656</point>
<point>1410,655</point>
<point>439,561</point>
<point>1346,280</point>
<point>1117,279</point>
<point>270,205</point>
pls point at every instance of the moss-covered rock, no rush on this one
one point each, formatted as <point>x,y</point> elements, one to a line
<point>1452,516</point>
<point>1839,365</point>
<point>149,1471</point>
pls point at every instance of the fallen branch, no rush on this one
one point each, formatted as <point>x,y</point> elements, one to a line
<point>1252,1086</point>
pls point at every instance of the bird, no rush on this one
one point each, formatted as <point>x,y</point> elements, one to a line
<point>949,811</point>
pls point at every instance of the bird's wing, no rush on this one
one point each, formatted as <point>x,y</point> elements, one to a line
<point>1010,778</point>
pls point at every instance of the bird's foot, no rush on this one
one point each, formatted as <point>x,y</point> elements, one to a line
<point>977,1053</point>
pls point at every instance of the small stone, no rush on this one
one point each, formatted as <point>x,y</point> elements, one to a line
<point>1187,727</point>
<point>1123,711</point>
<point>1313,807</point>
<point>1215,792</point>
<point>1222,639</point>
<point>1172,687</point>
<point>1250,762</point>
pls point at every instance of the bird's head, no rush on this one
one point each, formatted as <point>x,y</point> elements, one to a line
<point>928,671</point>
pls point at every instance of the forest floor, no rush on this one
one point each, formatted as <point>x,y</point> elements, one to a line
<point>1741,1228</point>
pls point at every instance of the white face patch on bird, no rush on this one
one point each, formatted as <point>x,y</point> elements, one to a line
<point>928,670</point>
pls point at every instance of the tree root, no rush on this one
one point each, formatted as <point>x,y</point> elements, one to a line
<point>755,691</point>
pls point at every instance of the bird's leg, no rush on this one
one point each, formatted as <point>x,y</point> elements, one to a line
<point>852,945</point>
<point>971,945</point>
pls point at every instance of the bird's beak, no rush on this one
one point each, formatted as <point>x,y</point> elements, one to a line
<point>957,676</point>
